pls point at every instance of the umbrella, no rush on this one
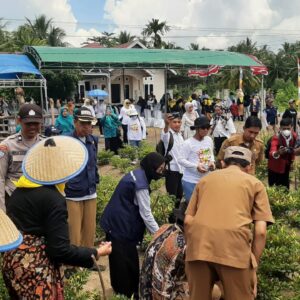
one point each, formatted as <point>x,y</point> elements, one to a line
<point>97,93</point>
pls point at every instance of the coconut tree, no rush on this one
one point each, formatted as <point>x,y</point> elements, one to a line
<point>106,39</point>
<point>194,46</point>
<point>246,46</point>
<point>170,45</point>
<point>156,29</point>
<point>125,37</point>
<point>56,36</point>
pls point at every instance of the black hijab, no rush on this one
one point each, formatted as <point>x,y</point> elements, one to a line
<point>150,163</point>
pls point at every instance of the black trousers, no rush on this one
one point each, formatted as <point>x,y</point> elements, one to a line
<point>125,139</point>
<point>174,185</point>
<point>218,141</point>
<point>277,179</point>
<point>124,268</point>
<point>112,144</point>
<point>100,126</point>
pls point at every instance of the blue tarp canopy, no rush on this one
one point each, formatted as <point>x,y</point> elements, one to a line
<point>13,66</point>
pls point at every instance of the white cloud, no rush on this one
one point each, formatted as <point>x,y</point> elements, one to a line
<point>212,23</point>
<point>58,10</point>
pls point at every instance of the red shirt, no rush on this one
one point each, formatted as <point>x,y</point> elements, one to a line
<point>279,165</point>
<point>234,109</point>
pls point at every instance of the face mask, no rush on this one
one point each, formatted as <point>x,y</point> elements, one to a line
<point>286,132</point>
<point>133,118</point>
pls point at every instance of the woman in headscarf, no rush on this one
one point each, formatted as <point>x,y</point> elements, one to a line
<point>65,121</point>
<point>38,209</point>
<point>188,120</point>
<point>124,220</point>
<point>124,117</point>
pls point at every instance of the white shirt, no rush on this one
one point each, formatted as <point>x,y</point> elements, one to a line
<point>91,108</point>
<point>178,142</point>
<point>192,153</point>
<point>100,109</point>
<point>223,131</point>
<point>136,130</point>
<point>124,114</point>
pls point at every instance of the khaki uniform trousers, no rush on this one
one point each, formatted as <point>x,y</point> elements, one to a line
<point>238,284</point>
<point>82,222</point>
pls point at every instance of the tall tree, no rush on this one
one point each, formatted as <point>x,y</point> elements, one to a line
<point>125,37</point>
<point>170,45</point>
<point>156,29</point>
<point>56,36</point>
<point>194,46</point>
<point>106,39</point>
<point>246,46</point>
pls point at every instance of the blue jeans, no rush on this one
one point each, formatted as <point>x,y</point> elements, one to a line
<point>134,143</point>
<point>188,188</point>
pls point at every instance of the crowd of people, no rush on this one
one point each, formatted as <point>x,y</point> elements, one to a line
<point>217,231</point>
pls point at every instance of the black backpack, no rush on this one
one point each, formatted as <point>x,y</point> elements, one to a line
<point>160,147</point>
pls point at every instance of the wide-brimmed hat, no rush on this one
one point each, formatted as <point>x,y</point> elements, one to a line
<point>31,113</point>
<point>202,121</point>
<point>55,160</point>
<point>292,101</point>
<point>238,152</point>
<point>10,237</point>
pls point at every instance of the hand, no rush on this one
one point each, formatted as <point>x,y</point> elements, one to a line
<point>211,166</point>
<point>202,168</point>
<point>281,150</point>
<point>104,249</point>
<point>254,284</point>
<point>168,118</point>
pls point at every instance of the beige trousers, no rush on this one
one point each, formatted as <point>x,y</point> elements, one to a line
<point>238,284</point>
<point>82,222</point>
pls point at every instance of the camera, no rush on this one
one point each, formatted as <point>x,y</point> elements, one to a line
<point>289,150</point>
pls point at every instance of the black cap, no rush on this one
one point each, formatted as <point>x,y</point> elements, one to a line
<point>83,114</point>
<point>31,113</point>
<point>201,122</point>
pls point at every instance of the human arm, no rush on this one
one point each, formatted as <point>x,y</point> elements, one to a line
<point>259,239</point>
<point>231,127</point>
<point>184,154</point>
<point>144,128</point>
<point>143,200</point>
<point>4,160</point>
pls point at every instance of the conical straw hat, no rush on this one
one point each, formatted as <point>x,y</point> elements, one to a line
<point>10,237</point>
<point>55,160</point>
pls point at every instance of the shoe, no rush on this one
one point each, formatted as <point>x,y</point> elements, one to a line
<point>101,267</point>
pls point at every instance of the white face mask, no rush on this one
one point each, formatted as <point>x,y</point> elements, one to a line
<point>133,118</point>
<point>286,132</point>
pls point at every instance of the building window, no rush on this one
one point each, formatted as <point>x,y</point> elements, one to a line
<point>94,86</point>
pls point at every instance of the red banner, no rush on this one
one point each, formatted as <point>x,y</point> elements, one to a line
<point>204,72</point>
<point>260,70</point>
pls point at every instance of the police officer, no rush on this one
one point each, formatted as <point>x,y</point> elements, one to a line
<point>14,148</point>
<point>247,139</point>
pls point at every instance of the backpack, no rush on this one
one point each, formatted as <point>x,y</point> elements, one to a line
<point>160,147</point>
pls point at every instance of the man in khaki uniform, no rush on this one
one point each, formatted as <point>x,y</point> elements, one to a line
<point>220,242</point>
<point>14,148</point>
<point>248,140</point>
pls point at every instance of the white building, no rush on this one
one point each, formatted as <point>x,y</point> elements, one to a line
<point>123,83</point>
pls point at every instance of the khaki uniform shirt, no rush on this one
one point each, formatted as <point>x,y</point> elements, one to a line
<point>12,152</point>
<point>224,205</point>
<point>257,149</point>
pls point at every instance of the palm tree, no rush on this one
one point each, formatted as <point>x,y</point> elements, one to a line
<point>106,39</point>
<point>170,45</point>
<point>125,37</point>
<point>246,46</point>
<point>156,29</point>
<point>194,46</point>
<point>43,29</point>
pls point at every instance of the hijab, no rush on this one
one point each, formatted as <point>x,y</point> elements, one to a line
<point>66,124</point>
<point>150,163</point>
<point>192,116</point>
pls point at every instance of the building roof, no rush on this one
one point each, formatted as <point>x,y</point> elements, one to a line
<point>78,58</point>
<point>93,45</point>
<point>14,65</point>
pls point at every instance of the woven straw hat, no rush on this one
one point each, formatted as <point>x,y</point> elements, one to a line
<point>10,237</point>
<point>55,160</point>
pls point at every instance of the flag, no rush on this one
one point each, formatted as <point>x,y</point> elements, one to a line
<point>214,69</point>
<point>259,70</point>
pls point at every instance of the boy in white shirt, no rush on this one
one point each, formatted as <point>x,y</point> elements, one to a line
<point>196,156</point>
<point>136,130</point>
<point>174,173</point>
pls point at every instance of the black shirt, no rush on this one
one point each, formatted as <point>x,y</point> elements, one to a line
<point>42,211</point>
<point>291,113</point>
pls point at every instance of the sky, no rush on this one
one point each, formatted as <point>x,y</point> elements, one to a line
<point>215,24</point>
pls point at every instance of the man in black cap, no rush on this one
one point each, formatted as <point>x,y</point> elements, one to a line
<point>14,148</point>
<point>196,156</point>
<point>81,190</point>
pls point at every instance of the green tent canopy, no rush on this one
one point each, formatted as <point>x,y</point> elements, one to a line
<point>79,58</point>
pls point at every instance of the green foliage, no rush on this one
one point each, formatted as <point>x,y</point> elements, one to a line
<point>128,152</point>
<point>3,290</point>
<point>123,164</point>
<point>104,157</point>
<point>279,268</point>
<point>73,289</point>
<point>261,171</point>
<point>144,149</point>
<point>284,94</point>
<point>120,297</point>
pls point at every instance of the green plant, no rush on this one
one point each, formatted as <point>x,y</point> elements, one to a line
<point>145,149</point>
<point>261,171</point>
<point>104,157</point>
<point>73,289</point>
<point>128,152</point>
<point>3,290</point>
<point>123,164</point>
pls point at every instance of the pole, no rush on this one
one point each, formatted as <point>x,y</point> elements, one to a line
<point>123,80</point>
<point>241,79</point>
<point>166,98</point>
<point>298,65</point>
<point>262,95</point>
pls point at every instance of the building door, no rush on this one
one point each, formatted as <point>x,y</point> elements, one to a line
<point>115,93</point>
<point>126,92</point>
